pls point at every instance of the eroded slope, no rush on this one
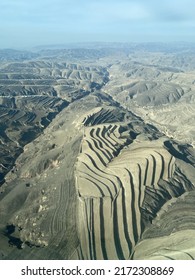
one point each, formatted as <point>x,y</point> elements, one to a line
<point>98,172</point>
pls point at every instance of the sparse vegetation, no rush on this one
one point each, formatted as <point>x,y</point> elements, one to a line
<point>97,153</point>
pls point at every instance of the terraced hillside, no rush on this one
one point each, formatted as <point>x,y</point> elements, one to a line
<point>32,93</point>
<point>67,80</point>
<point>122,183</point>
<point>97,153</point>
<point>158,87</point>
<point>22,120</point>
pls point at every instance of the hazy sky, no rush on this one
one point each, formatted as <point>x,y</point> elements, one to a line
<point>26,23</point>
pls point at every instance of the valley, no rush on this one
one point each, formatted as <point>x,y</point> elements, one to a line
<point>97,153</point>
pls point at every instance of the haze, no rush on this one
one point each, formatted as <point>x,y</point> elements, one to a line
<point>29,23</point>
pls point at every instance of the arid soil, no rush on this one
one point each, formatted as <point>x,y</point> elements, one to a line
<point>97,156</point>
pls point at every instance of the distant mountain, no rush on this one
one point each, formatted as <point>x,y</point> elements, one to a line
<point>16,55</point>
<point>133,46</point>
